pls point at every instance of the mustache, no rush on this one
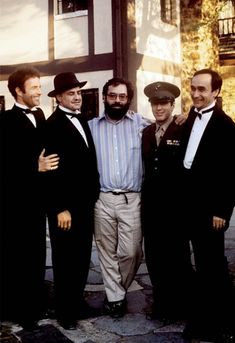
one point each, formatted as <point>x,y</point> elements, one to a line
<point>116,104</point>
<point>116,110</point>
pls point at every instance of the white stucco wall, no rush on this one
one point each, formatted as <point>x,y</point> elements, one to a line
<point>103,26</point>
<point>155,38</point>
<point>23,31</point>
<point>71,37</point>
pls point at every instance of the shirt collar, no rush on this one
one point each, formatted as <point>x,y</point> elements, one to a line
<point>23,107</point>
<point>165,125</point>
<point>205,108</point>
<point>68,110</point>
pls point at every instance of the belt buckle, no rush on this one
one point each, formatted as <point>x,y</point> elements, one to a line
<point>118,191</point>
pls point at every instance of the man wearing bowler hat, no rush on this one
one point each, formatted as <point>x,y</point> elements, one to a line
<point>73,191</point>
<point>166,250</point>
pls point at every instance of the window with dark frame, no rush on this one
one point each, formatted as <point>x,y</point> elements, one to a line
<point>67,6</point>
<point>90,102</point>
<point>168,11</point>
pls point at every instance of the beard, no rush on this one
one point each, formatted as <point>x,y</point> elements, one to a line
<point>116,111</point>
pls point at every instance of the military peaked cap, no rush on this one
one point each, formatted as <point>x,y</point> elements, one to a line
<point>161,91</point>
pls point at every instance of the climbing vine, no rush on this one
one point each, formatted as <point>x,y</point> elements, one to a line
<point>200,43</point>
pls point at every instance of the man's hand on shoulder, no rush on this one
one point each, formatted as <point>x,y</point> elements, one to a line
<point>180,119</point>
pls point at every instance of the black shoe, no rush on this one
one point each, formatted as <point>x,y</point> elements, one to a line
<point>166,320</point>
<point>202,333</point>
<point>116,309</point>
<point>49,314</point>
<point>29,325</point>
<point>85,311</point>
<point>227,336</point>
<point>68,324</point>
<point>156,313</point>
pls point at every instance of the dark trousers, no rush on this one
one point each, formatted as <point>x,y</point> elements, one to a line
<point>71,254</point>
<point>214,295</point>
<point>22,267</point>
<point>168,260</point>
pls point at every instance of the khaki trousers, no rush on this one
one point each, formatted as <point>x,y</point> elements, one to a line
<point>118,238</point>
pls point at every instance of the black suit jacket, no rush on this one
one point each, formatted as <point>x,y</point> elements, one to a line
<point>213,168</point>
<point>22,215</point>
<point>161,163</point>
<point>162,169</point>
<point>21,145</point>
<point>75,184</point>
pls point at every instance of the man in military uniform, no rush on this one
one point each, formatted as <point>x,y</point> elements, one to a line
<point>166,250</point>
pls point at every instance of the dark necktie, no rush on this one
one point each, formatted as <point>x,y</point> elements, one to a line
<point>73,115</point>
<point>159,134</point>
<point>28,110</point>
<point>34,113</point>
<point>202,112</point>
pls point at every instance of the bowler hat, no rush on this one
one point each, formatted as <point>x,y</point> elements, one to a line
<point>161,91</point>
<point>65,81</point>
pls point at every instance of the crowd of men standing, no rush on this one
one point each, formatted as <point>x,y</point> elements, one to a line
<point>119,178</point>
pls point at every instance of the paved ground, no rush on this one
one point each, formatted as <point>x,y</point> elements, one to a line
<point>132,328</point>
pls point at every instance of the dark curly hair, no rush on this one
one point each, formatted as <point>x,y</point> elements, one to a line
<point>119,81</point>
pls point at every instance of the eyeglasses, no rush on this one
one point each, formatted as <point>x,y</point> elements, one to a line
<point>114,96</point>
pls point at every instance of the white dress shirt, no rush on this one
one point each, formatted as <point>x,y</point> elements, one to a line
<point>29,115</point>
<point>75,122</point>
<point>197,131</point>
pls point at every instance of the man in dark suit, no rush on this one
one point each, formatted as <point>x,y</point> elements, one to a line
<point>167,252</point>
<point>208,191</point>
<point>23,215</point>
<point>73,191</point>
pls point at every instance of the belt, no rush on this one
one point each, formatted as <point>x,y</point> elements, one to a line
<point>119,192</point>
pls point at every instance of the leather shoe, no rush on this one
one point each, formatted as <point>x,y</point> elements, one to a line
<point>203,333</point>
<point>30,325</point>
<point>68,324</point>
<point>227,336</point>
<point>116,309</point>
<point>49,314</point>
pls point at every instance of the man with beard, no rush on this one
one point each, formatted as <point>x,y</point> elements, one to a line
<point>117,137</point>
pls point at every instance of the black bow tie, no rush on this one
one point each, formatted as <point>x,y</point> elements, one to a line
<point>73,115</point>
<point>202,112</point>
<point>28,110</point>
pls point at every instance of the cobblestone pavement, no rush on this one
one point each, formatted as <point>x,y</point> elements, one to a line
<point>132,328</point>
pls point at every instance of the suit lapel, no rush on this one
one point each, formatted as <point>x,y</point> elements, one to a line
<point>87,131</point>
<point>83,123</point>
